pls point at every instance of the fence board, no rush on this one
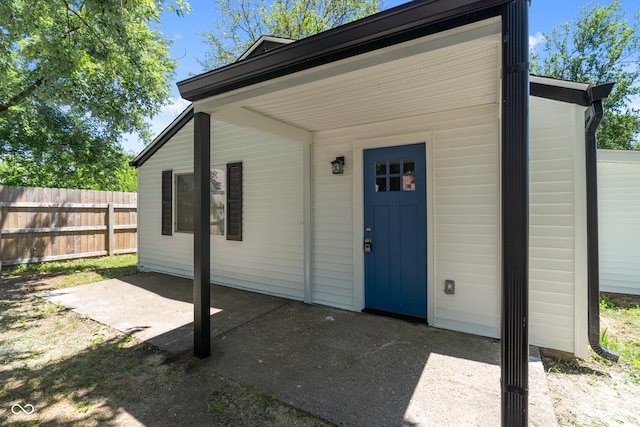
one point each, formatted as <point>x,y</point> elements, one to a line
<point>46,224</point>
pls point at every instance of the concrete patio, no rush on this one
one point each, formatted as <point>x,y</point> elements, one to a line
<point>349,368</point>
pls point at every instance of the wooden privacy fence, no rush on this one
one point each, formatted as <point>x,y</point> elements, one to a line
<point>48,224</point>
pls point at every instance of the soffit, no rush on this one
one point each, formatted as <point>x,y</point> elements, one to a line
<point>457,80</point>
<point>458,69</point>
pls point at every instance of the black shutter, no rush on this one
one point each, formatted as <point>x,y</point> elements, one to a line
<point>167,209</point>
<point>234,201</point>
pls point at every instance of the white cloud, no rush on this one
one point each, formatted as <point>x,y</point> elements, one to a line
<point>167,114</point>
<point>536,39</point>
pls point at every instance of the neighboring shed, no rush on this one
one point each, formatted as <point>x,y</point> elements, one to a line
<point>619,214</point>
<point>426,108</point>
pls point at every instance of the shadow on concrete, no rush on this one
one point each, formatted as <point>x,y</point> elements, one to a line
<point>364,370</point>
<point>349,368</point>
<point>158,308</point>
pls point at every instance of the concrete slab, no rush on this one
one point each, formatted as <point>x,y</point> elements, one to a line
<point>349,368</point>
<point>159,308</point>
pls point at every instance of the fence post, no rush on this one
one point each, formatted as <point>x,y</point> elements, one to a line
<point>110,225</point>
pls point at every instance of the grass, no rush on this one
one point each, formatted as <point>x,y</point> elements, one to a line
<point>51,355</point>
<point>622,314</point>
<point>623,337</point>
<point>76,371</point>
<point>77,272</point>
<point>253,397</point>
<point>217,407</point>
<point>83,407</point>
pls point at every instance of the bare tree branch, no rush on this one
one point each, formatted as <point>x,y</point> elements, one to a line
<point>16,99</point>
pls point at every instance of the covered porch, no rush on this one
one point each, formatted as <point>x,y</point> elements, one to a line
<point>335,364</point>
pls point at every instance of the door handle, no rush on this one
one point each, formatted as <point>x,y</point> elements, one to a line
<point>367,244</point>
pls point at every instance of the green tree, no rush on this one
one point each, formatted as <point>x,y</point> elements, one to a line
<point>242,22</point>
<point>75,76</point>
<point>44,146</point>
<point>600,46</point>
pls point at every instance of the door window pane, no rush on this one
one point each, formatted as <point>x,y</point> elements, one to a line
<point>394,166</point>
<point>408,178</point>
<point>399,173</point>
<point>394,183</point>
<point>408,166</point>
<point>408,183</point>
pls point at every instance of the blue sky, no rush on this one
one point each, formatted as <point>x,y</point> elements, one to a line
<point>188,45</point>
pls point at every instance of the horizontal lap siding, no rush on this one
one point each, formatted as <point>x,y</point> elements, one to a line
<point>270,257</point>
<point>552,222</point>
<point>466,225</point>
<point>165,254</point>
<point>332,225</point>
<point>465,238</point>
<point>619,213</point>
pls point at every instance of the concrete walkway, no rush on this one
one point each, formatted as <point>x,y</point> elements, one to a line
<point>349,368</point>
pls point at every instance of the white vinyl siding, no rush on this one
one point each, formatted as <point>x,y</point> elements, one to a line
<point>270,257</point>
<point>466,205</point>
<point>332,272</point>
<point>556,224</point>
<point>167,254</point>
<point>619,220</point>
<point>473,131</point>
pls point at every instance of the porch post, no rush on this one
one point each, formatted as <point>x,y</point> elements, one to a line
<point>201,245</point>
<point>515,213</point>
<point>308,218</point>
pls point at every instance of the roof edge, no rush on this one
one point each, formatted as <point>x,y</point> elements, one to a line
<point>583,94</point>
<point>177,124</point>
<point>264,38</point>
<point>540,86</point>
<point>401,23</point>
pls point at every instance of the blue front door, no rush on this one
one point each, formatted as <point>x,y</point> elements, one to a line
<point>395,230</point>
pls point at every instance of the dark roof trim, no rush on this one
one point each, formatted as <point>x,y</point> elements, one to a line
<point>402,23</point>
<point>165,136</point>
<point>574,96</point>
<point>600,92</point>
<point>263,45</point>
<point>542,90</point>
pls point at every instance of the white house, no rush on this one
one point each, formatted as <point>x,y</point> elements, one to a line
<point>428,106</point>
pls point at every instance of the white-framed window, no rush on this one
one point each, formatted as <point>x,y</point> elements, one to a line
<point>225,201</point>
<point>184,186</point>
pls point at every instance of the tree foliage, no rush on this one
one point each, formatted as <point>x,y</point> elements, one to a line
<point>242,22</point>
<point>600,46</point>
<point>44,146</point>
<point>76,76</point>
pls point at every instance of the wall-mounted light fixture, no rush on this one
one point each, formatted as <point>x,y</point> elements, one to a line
<point>338,165</point>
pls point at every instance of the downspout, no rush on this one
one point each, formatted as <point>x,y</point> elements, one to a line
<point>593,272</point>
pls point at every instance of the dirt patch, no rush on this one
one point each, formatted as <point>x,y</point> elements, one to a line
<point>595,392</point>
<point>75,371</point>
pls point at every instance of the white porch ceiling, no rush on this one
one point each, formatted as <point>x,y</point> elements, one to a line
<point>447,71</point>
